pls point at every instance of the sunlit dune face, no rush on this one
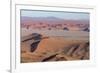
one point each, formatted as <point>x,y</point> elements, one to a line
<point>55,44</point>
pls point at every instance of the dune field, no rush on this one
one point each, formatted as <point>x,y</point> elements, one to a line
<point>57,48</point>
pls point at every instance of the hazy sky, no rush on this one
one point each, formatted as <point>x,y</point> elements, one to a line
<point>63,15</point>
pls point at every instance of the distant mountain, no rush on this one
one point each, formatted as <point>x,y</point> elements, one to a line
<point>40,19</point>
<point>53,19</point>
